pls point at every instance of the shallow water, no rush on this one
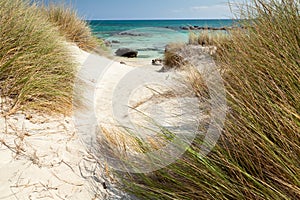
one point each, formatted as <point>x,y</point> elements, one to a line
<point>149,37</point>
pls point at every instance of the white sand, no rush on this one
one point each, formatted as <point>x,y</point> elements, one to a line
<point>43,157</point>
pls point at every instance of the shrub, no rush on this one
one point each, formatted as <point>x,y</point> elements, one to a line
<point>35,67</point>
<point>257,156</point>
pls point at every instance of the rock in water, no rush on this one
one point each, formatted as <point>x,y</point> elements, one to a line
<point>126,52</point>
<point>115,42</point>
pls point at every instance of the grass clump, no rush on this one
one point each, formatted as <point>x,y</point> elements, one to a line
<point>71,26</point>
<point>35,67</point>
<point>206,43</point>
<point>172,58</point>
<point>257,156</point>
<point>179,56</point>
<point>209,38</point>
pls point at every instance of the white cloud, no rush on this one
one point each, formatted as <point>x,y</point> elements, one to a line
<point>204,8</point>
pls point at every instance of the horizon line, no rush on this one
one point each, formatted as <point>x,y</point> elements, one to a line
<point>120,19</point>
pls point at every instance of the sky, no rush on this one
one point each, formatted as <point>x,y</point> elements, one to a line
<point>152,9</point>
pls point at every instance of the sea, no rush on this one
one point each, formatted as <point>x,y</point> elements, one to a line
<point>149,37</point>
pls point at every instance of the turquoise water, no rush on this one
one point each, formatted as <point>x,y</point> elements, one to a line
<point>149,37</point>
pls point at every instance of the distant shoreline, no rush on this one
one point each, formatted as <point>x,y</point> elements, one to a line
<point>88,20</point>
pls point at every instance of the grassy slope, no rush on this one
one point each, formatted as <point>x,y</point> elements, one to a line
<point>36,67</point>
<point>71,26</point>
<point>257,156</point>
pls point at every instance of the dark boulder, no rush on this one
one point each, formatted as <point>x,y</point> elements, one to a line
<point>126,52</point>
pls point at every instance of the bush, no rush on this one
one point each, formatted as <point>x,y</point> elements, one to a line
<point>35,67</point>
<point>257,156</point>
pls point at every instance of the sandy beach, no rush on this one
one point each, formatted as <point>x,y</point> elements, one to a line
<point>46,157</point>
<point>43,157</point>
<point>129,100</point>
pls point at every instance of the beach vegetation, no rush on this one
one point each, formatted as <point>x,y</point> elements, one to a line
<point>172,59</point>
<point>201,41</point>
<point>71,26</point>
<point>208,38</point>
<point>36,66</point>
<point>257,155</point>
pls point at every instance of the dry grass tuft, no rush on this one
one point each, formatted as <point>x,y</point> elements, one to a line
<point>71,26</point>
<point>119,141</point>
<point>209,38</point>
<point>172,59</point>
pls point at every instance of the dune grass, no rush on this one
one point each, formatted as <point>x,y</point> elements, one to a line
<point>209,38</point>
<point>171,57</point>
<point>258,154</point>
<point>71,26</point>
<point>36,70</point>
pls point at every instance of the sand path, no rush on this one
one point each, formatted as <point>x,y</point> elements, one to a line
<point>48,157</point>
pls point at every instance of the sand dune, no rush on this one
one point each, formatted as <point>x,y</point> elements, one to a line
<point>49,157</point>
